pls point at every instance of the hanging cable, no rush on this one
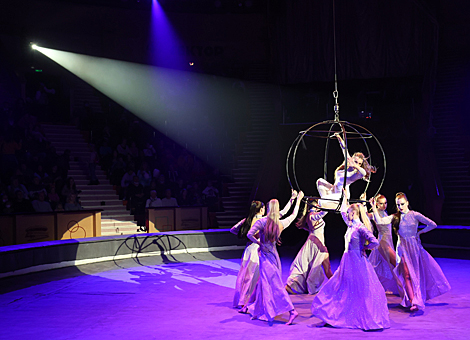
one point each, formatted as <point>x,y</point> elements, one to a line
<point>335,92</point>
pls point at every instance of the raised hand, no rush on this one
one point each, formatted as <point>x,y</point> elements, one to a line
<point>294,194</point>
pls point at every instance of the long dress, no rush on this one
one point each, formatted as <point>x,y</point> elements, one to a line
<point>271,298</point>
<point>427,278</point>
<point>380,258</point>
<point>353,297</point>
<point>249,271</point>
<point>248,274</point>
<point>306,272</point>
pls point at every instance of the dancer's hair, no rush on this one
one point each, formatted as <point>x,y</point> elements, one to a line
<point>379,197</point>
<point>255,208</point>
<point>365,165</point>
<point>361,211</point>
<point>305,211</point>
<point>397,216</point>
<point>272,229</point>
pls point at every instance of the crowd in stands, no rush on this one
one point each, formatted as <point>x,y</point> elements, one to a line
<point>146,168</point>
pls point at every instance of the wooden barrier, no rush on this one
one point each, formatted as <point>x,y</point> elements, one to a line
<point>176,218</point>
<point>37,227</point>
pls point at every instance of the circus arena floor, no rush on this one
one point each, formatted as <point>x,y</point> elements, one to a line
<point>189,296</point>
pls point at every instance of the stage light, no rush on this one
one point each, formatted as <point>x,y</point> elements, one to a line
<point>34,46</point>
<point>191,63</point>
<point>190,108</point>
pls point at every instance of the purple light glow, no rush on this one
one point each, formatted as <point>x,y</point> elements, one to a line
<point>164,45</point>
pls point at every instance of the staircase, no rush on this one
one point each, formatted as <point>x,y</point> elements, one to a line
<point>115,219</point>
<point>449,142</point>
<point>248,159</point>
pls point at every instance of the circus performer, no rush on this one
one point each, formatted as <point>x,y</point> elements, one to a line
<point>271,299</point>
<point>358,168</point>
<point>249,268</point>
<point>312,263</point>
<point>353,297</point>
<point>418,273</point>
<point>383,258</point>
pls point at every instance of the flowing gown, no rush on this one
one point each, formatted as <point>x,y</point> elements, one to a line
<point>380,258</point>
<point>353,297</point>
<point>427,278</point>
<point>306,272</point>
<point>271,298</point>
<point>249,271</point>
<point>248,274</point>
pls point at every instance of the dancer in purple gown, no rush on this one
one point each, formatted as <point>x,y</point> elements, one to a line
<point>353,297</point>
<point>312,263</point>
<point>271,299</point>
<point>383,258</point>
<point>249,268</point>
<point>418,273</point>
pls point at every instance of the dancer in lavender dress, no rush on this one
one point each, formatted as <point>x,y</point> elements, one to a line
<point>271,298</point>
<point>248,274</point>
<point>249,268</point>
<point>353,297</point>
<point>383,258</point>
<point>358,168</point>
<point>312,263</point>
<point>418,273</point>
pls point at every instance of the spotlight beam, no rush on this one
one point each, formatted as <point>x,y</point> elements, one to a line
<point>190,108</point>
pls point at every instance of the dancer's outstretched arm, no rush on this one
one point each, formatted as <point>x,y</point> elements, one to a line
<point>289,204</point>
<point>288,220</point>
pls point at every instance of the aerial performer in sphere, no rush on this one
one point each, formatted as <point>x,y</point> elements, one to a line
<point>312,263</point>
<point>358,168</point>
<point>418,273</point>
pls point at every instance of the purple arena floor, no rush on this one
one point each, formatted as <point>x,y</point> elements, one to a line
<point>190,297</point>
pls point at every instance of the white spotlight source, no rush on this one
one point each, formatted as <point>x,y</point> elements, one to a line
<point>34,46</point>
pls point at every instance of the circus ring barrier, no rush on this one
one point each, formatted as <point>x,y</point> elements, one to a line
<point>48,226</point>
<point>176,218</point>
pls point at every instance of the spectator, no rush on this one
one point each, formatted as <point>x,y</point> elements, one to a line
<point>35,188</point>
<point>69,188</point>
<point>169,201</point>
<point>117,169</point>
<point>211,197</point>
<point>59,207</point>
<point>72,203</point>
<point>21,204</point>
<point>144,175</point>
<point>40,173</point>
<point>126,180</point>
<point>162,185</point>
<point>153,201</point>
<point>6,207</point>
<point>123,149</point>
<point>184,199</point>
<point>134,152</point>
<point>54,198</point>
<point>149,154</point>
<point>15,186</point>
<point>41,205</point>
<point>135,193</point>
